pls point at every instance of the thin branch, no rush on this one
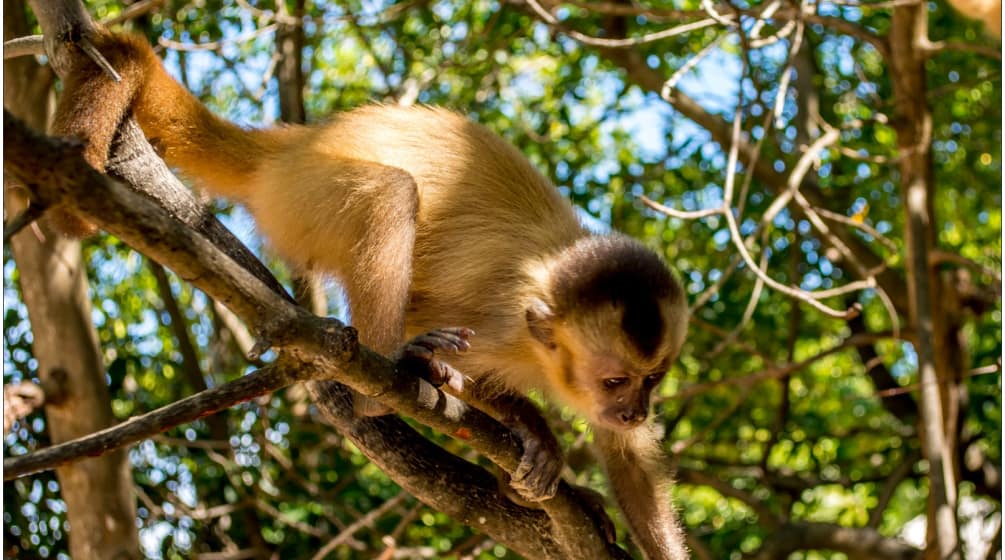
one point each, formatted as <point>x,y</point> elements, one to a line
<point>938,256</point>
<point>768,517</point>
<point>619,43</point>
<point>737,237</point>
<point>366,521</point>
<point>32,45</point>
<point>242,337</point>
<point>141,427</point>
<point>984,370</point>
<point>679,74</point>
<point>217,45</point>
<point>679,447</point>
<point>748,313</point>
<point>681,214</point>
<point>774,372</point>
<point>860,225</point>
<point>856,542</point>
<point>133,11</point>
<point>30,214</point>
<point>889,488</point>
<point>934,48</point>
<point>619,9</point>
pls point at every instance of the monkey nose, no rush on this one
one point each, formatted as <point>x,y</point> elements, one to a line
<point>631,417</point>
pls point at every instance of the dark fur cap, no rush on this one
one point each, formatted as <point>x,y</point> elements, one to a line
<point>616,270</point>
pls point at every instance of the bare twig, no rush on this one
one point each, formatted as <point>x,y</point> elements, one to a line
<point>684,215</point>
<point>937,47</point>
<point>671,83</point>
<point>983,370</point>
<point>17,223</point>
<point>133,11</point>
<point>889,487</point>
<point>938,256</point>
<point>141,427</point>
<point>860,225</point>
<point>94,54</point>
<point>217,45</point>
<point>24,46</point>
<point>776,371</point>
<point>748,313</point>
<point>737,237</point>
<point>367,520</point>
<point>619,43</point>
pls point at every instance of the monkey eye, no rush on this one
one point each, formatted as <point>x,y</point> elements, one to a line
<point>654,378</point>
<point>612,382</point>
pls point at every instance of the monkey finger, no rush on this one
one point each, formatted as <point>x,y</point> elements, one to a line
<point>445,374</point>
<point>415,351</point>
<point>442,340</point>
<point>462,332</point>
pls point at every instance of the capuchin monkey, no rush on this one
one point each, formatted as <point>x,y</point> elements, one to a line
<point>429,219</point>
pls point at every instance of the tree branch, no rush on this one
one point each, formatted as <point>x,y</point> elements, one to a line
<point>141,427</point>
<point>857,543</point>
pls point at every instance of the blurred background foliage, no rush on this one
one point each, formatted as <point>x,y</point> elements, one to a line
<point>816,443</point>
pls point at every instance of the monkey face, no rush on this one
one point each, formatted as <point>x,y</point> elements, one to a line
<point>594,364</point>
<point>617,390</point>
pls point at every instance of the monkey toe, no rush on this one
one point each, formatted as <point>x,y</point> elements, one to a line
<point>418,355</point>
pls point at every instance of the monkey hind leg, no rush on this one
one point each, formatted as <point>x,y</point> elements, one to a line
<point>419,356</point>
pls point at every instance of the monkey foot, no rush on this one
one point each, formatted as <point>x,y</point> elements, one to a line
<point>537,476</point>
<point>419,355</point>
<point>594,503</point>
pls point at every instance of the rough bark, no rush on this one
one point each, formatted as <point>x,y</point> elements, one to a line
<point>100,505</point>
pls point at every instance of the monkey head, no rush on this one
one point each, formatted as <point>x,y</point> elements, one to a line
<point>611,321</point>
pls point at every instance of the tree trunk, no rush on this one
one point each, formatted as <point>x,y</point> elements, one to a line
<point>98,492</point>
<point>913,123</point>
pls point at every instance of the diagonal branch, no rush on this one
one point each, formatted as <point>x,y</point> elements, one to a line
<point>142,427</point>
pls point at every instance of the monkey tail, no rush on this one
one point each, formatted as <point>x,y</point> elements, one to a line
<point>216,153</point>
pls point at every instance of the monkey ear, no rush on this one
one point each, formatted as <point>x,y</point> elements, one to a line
<point>540,322</point>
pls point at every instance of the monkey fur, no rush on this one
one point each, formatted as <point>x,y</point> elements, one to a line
<point>428,219</point>
<point>987,11</point>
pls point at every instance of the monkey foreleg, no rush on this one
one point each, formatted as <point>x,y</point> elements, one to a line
<point>537,476</point>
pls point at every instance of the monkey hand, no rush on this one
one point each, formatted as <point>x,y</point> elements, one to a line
<point>536,477</point>
<point>418,356</point>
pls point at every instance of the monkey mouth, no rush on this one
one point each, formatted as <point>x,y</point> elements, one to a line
<point>619,420</point>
